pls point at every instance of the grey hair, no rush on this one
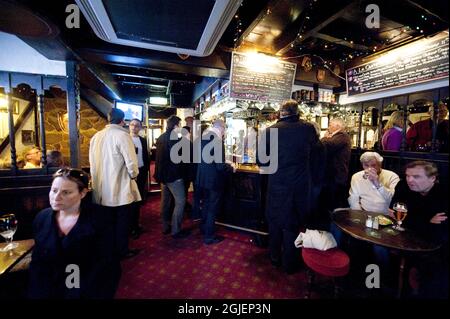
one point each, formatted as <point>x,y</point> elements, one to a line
<point>368,156</point>
<point>340,122</point>
<point>289,108</point>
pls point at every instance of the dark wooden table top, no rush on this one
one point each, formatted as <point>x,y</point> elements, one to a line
<point>352,222</point>
<point>10,258</point>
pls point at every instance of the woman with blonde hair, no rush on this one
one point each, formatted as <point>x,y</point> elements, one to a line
<point>392,137</point>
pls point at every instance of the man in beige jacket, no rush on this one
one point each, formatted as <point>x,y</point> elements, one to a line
<point>114,168</point>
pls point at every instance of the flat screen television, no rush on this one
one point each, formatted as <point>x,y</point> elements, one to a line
<point>131,110</point>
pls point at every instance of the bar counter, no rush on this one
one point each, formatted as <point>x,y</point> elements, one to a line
<point>244,202</point>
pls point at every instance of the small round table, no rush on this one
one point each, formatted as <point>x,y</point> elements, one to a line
<point>352,222</point>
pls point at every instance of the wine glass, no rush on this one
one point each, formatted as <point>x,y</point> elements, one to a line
<point>400,212</point>
<point>8,226</point>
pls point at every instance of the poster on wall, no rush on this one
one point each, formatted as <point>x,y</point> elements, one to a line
<point>261,78</point>
<point>421,61</point>
<point>27,137</point>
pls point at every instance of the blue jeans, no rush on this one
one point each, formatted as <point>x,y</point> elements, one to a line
<point>337,234</point>
<point>176,191</point>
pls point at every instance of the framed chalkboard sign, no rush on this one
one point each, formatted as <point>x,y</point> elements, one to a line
<point>421,61</point>
<point>261,78</point>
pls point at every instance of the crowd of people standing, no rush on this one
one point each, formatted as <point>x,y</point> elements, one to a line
<point>311,180</point>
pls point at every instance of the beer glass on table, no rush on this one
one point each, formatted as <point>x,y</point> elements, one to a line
<point>400,213</point>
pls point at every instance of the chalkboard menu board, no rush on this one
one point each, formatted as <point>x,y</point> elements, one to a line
<point>269,81</point>
<point>421,61</point>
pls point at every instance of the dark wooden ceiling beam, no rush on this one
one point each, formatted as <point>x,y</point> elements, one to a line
<point>290,33</point>
<point>331,39</point>
<point>416,5</point>
<point>211,66</point>
<point>95,77</point>
<point>124,78</point>
<point>126,75</point>
<point>152,74</point>
<point>264,12</point>
<point>315,30</point>
<point>156,86</point>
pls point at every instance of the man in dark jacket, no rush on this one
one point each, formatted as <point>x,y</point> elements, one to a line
<point>338,147</point>
<point>190,173</point>
<point>427,203</point>
<point>319,215</point>
<point>211,178</point>
<point>288,193</point>
<point>170,175</point>
<point>140,144</point>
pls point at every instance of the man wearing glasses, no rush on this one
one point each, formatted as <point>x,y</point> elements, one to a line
<point>32,157</point>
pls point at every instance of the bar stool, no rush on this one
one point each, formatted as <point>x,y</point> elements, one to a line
<point>332,263</point>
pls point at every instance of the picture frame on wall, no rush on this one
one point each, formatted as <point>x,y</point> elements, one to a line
<point>28,137</point>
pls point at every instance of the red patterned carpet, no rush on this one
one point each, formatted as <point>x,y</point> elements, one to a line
<point>188,269</point>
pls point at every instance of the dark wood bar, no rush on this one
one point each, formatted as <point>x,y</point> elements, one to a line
<point>245,201</point>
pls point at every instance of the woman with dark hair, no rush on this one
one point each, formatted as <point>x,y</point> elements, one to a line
<point>74,254</point>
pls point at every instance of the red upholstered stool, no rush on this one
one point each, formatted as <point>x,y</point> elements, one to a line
<point>331,263</point>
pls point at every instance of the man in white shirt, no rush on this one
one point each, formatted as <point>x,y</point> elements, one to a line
<point>114,169</point>
<point>372,188</point>
<point>32,157</point>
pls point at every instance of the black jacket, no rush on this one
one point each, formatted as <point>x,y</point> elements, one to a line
<point>338,148</point>
<point>89,245</point>
<point>166,171</point>
<point>190,168</point>
<point>213,175</point>
<point>288,193</point>
<point>145,153</point>
<point>422,208</point>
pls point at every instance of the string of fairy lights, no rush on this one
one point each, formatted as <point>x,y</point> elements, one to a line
<point>374,41</point>
<point>238,27</point>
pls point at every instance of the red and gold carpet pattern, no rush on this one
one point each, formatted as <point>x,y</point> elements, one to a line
<point>188,269</point>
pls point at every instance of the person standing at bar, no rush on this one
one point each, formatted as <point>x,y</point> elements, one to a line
<point>338,147</point>
<point>211,179</point>
<point>170,175</point>
<point>114,169</point>
<point>190,169</point>
<point>288,191</point>
<point>140,144</point>
<point>319,215</point>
